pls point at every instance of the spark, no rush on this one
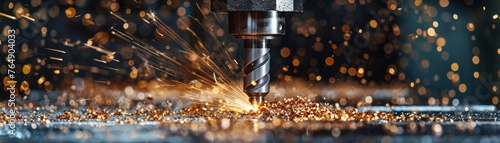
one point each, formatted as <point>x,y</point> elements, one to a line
<point>66,43</point>
<point>198,21</point>
<point>27,17</point>
<point>255,106</point>
<point>145,21</point>
<point>114,69</point>
<point>199,8</point>
<point>101,61</point>
<point>99,49</point>
<point>118,16</point>
<point>56,58</point>
<point>56,50</point>
<point>159,69</point>
<point>8,16</point>
<point>159,33</point>
<point>215,79</point>
<point>210,82</point>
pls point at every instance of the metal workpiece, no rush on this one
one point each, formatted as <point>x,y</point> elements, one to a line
<point>256,68</point>
<point>256,24</point>
<point>257,5</point>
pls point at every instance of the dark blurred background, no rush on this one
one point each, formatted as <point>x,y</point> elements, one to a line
<point>445,52</point>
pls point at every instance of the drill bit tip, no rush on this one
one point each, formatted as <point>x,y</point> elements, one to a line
<point>256,100</point>
<point>256,106</point>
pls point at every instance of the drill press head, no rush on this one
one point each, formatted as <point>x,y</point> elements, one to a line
<point>257,5</point>
<point>256,21</point>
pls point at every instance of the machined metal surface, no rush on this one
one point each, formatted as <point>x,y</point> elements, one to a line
<point>437,126</point>
<point>257,5</point>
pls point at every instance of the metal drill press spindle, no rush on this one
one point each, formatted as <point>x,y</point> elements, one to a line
<point>256,22</point>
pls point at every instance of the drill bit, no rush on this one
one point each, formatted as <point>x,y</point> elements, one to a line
<point>255,28</point>
<point>256,70</point>
<point>256,21</point>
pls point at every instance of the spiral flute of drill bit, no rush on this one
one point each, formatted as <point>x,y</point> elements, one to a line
<point>257,66</point>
